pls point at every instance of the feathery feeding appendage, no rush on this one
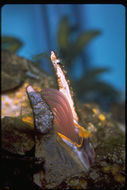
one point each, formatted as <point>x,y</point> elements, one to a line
<point>63,84</point>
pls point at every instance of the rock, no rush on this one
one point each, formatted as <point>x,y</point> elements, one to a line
<point>108,171</point>
<point>59,169</point>
<point>17,137</point>
<point>58,165</point>
<point>16,70</point>
<point>13,70</point>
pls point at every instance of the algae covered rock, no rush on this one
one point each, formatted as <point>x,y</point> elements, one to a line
<point>17,137</point>
<point>58,164</point>
<point>13,70</point>
<point>108,171</point>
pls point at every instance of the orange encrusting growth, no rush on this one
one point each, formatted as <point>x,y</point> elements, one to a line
<point>83,132</point>
<point>101,117</point>
<point>15,103</point>
<point>28,119</point>
<point>2,98</point>
<point>66,138</point>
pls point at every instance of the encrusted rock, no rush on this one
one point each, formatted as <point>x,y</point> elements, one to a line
<point>59,170</point>
<point>17,137</point>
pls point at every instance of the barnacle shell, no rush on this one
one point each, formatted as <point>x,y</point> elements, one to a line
<point>73,135</point>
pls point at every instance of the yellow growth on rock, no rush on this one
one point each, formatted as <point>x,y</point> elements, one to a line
<point>83,132</point>
<point>7,104</point>
<point>101,117</point>
<point>3,111</point>
<point>119,178</point>
<point>16,102</point>
<point>28,119</point>
<point>11,95</point>
<point>95,111</point>
<point>3,98</point>
<point>19,95</point>
<point>24,104</point>
<point>107,168</point>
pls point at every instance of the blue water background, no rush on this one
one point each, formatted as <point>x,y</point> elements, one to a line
<point>36,25</point>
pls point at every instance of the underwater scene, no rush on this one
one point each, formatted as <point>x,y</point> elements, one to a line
<point>63,96</point>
